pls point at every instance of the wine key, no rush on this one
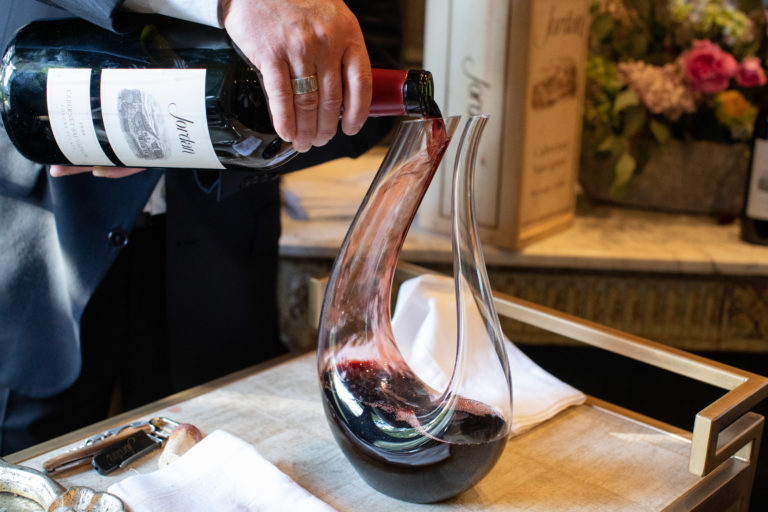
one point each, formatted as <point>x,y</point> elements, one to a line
<point>81,453</point>
<point>125,451</point>
<point>159,427</point>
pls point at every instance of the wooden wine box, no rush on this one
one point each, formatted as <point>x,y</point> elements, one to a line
<point>523,62</point>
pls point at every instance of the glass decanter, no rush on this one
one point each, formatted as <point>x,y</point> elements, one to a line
<point>407,438</point>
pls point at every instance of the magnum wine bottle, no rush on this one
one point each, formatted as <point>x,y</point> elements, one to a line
<point>172,94</point>
<point>754,221</point>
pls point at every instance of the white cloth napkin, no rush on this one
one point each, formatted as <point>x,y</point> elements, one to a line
<point>424,326</point>
<point>220,473</point>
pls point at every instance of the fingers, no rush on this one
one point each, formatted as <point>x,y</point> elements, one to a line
<point>305,106</point>
<point>329,106</point>
<point>317,112</point>
<point>358,85</point>
<point>66,170</point>
<point>277,86</point>
<point>289,39</point>
<point>116,172</point>
<point>58,171</point>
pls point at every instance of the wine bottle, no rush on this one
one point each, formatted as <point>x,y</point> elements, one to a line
<point>754,220</point>
<point>170,94</point>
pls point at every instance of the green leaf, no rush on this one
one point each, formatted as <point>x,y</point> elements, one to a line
<point>602,26</point>
<point>638,44</point>
<point>625,99</point>
<point>634,119</point>
<point>642,150</point>
<point>612,145</point>
<point>660,131</point>
<point>607,145</point>
<point>625,167</point>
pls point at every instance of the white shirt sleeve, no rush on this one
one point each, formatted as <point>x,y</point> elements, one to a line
<point>205,12</point>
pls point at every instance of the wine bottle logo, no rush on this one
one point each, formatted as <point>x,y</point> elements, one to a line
<point>141,122</point>
<point>555,81</point>
<point>762,182</point>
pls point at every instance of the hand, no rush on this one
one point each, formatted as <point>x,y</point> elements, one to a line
<point>101,172</point>
<point>287,39</point>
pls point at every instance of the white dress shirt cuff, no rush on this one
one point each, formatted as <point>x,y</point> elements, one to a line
<point>205,12</point>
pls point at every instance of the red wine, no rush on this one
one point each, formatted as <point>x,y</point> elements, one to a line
<point>437,139</point>
<point>172,94</point>
<point>382,418</point>
<point>754,221</point>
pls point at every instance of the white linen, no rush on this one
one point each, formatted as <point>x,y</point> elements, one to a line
<point>424,326</point>
<point>220,473</point>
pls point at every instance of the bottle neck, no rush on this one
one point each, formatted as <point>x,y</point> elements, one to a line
<point>400,93</point>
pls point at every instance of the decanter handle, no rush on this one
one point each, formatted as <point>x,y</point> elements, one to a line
<point>470,276</point>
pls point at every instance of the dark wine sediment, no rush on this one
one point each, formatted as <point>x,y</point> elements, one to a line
<point>387,423</point>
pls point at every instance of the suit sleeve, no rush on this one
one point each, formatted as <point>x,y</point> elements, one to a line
<point>100,12</point>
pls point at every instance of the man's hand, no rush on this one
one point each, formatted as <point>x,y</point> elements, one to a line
<point>102,172</point>
<point>287,39</point>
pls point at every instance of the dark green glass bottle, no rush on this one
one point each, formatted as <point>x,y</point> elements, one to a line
<point>754,220</point>
<point>171,94</point>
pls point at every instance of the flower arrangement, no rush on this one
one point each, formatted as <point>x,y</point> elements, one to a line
<point>662,69</point>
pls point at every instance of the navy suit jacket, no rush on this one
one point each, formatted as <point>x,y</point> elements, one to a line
<point>58,238</point>
<point>55,250</point>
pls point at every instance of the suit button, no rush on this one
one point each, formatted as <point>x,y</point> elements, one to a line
<point>117,238</point>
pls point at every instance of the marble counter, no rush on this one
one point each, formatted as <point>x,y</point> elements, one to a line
<point>602,238</point>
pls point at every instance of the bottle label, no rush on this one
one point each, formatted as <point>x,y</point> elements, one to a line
<point>156,117</point>
<point>757,195</point>
<point>69,112</point>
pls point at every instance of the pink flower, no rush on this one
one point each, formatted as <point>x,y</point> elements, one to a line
<point>661,89</point>
<point>708,68</point>
<point>750,73</point>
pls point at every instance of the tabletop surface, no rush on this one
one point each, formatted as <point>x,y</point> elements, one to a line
<point>586,458</point>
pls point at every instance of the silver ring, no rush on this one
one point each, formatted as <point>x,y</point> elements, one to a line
<point>304,85</point>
